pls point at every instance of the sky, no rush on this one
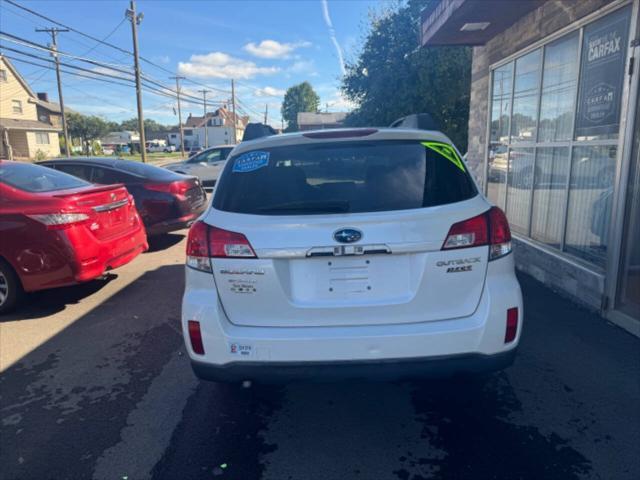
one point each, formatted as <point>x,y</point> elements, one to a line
<point>266,46</point>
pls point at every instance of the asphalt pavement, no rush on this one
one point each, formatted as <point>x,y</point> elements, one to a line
<point>95,384</point>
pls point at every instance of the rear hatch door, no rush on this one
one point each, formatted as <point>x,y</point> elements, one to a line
<point>302,212</point>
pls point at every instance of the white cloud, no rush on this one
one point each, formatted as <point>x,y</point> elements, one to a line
<point>269,92</point>
<point>303,67</point>
<point>338,103</point>
<point>273,48</point>
<point>332,35</point>
<point>221,65</point>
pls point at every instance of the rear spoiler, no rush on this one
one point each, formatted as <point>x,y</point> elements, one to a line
<point>93,188</point>
<point>417,121</point>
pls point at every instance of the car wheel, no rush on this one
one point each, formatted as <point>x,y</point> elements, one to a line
<point>10,288</point>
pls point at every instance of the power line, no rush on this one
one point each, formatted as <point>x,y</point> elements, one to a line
<point>60,24</point>
<point>30,44</point>
<point>104,38</point>
<point>68,65</point>
<point>100,41</point>
<point>54,46</point>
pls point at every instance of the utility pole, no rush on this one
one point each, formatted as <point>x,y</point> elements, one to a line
<point>178,78</point>
<point>54,46</point>
<point>135,20</point>
<point>206,129</point>
<point>233,106</point>
<point>266,112</point>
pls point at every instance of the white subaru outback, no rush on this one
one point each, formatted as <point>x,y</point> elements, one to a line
<point>348,254</point>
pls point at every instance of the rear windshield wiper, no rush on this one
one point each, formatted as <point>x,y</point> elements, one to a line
<point>333,206</point>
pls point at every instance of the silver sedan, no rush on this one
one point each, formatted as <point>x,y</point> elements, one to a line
<point>205,165</point>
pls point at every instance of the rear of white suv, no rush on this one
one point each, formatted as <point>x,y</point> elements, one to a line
<point>347,254</point>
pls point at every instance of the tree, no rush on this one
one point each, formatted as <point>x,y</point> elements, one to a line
<point>299,98</point>
<point>86,128</point>
<point>152,129</point>
<point>393,76</point>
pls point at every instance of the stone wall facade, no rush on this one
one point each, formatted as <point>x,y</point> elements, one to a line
<point>580,284</point>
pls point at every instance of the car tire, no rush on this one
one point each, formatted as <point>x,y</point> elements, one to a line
<point>11,291</point>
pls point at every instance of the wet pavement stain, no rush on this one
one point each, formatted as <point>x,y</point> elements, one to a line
<point>466,418</point>
<point>221,425</point>
<point>56,410</point>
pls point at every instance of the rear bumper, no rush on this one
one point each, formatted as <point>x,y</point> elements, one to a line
<point>441,347</point>
<point>173,224</point>
<point>402,369</point>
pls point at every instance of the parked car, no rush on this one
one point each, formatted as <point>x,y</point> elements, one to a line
<point>59,230</point>
<point>169,148</point>
<point>155,146</point>
<point>206,165</point>
<point>349,253</point>
<point>167,201</point>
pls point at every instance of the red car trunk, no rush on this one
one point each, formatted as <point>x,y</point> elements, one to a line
<point>58,230</point>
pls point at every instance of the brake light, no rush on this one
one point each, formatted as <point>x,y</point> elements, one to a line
<point>499,234</point>
<point>179,187</point>
<point>225,244</point>
<point>489,228</point>
<point>360,132</point>
<point>512,325</point>
<point>59,221</point>
<point>472,232</point>
<point>205,242</point>
<point>195,335</point>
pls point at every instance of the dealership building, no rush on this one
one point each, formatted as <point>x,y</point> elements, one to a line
<point>554,136</point>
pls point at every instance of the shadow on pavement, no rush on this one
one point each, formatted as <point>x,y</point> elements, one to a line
<point>67,401</point>
<point>565,410</point>
<point>164,241</point>
<point>47,302</point>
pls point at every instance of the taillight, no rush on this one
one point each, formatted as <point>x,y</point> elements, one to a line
<point>205,242</point>
<point>198,247</point>
<point>489,228</point>
<point>179,187</point>
<point>472,232</point>
<point>59,221</point>
<point>195,336</point>
<point>512,325</point>
<point>499,234</point>
<point>225,244</point>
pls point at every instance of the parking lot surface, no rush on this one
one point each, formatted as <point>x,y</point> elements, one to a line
<point>96,384</point>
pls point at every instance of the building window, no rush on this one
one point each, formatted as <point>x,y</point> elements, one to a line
<point>16,106</point>
<point>42,138</point>
<point>553,134</point>
<point>3,75</point>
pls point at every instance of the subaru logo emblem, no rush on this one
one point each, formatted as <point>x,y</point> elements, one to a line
<point>347,235</point>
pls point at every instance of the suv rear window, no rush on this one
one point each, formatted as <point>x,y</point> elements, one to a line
<point>347,177</point>
<point>35,178</point>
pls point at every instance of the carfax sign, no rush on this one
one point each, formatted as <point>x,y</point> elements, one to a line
<point>604,52</point>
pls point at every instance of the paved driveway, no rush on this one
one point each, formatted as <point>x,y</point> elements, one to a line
<point>95,384</point>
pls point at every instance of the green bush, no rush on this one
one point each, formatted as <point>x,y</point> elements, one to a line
<point>40,155</point>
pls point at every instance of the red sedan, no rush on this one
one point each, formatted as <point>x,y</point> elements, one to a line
<point>57,230</point>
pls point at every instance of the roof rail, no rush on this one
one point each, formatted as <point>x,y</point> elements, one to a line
<point>257,130</point>
<point>419,121</point>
